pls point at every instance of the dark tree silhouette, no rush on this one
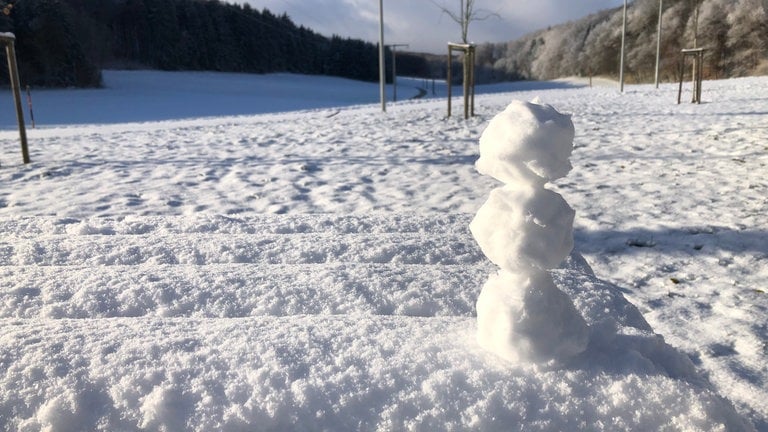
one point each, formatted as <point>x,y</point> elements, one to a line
<point>67,42</point>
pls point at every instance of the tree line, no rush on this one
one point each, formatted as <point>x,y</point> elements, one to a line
<point>734,33</point>
<point>66,43</point>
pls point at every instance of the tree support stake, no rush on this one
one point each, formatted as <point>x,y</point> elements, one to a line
<point>9,40</point>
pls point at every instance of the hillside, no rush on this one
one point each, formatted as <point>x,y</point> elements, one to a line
<point>733,32</point>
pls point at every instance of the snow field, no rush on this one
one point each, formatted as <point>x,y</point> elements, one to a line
<point>134,295</point>
<point>321,372</point>
<point>174,346</point>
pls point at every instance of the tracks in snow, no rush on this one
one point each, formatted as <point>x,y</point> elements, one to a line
<point>149,319</point>
<point>224,267</point>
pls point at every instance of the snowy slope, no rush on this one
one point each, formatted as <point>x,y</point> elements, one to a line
<point>139,96</point>
<point>314,271</point>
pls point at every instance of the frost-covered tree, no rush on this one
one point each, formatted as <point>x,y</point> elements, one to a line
<point>733,32</point>
<point>713,34</point>
<point>746,38</point>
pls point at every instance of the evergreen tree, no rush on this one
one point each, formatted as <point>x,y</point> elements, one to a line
<point>49,47</point>
<point>66,42</point>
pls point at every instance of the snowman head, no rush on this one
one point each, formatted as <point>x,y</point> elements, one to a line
<point>528,142</point>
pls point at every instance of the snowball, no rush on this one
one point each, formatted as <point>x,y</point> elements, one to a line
<point>524,317</point>
<point>527,142</point>
<point>521,227</point>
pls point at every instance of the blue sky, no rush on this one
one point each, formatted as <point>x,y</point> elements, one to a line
<point>420,23</point>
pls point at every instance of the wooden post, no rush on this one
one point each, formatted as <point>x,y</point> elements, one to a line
<point>468,74</point>
<point>394,73</point>
<point>681,73</point>
<point>9,40</point>
<point>697,76</point>
<point>472,81</point>
<point>700,78</point>
<point>465,84</point>
<point>394,48</point>
<point>29,105</point>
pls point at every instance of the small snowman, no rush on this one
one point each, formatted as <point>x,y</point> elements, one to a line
<point>526,230</point>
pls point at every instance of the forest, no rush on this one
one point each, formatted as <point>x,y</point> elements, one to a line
<point>66,43</point>
<point>733,32</point>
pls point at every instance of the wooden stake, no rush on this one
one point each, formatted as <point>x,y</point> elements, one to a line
<point>466,84</point>
<point>29,105</point>
<point>468,63</point>
<point>472,81</point>
<point>9,40</point>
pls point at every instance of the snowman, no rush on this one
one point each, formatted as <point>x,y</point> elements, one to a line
<point>526,230</point>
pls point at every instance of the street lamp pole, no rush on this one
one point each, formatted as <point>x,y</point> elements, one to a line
<point>658,43</point>
<point>623,37</point>
<point>382,78</point>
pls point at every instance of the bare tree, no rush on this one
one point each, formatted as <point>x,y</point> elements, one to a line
<point>467,14</point>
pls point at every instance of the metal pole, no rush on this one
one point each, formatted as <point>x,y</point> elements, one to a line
<point>696,25</point>
<point>382,78</point>
<point>623,37</point>
<point>658,43</point>
<point>695,71</point>
<point>463,23</point>
<point>448,78</point>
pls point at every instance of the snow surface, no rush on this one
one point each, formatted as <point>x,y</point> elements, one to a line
<point>141,96</point>
<point>314,270</point>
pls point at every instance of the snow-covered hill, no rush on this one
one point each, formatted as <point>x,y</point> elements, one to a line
<point>314,271</point>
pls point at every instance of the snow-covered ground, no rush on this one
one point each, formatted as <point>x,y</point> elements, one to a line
<point>314,270</point>
<point>140,96</point>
